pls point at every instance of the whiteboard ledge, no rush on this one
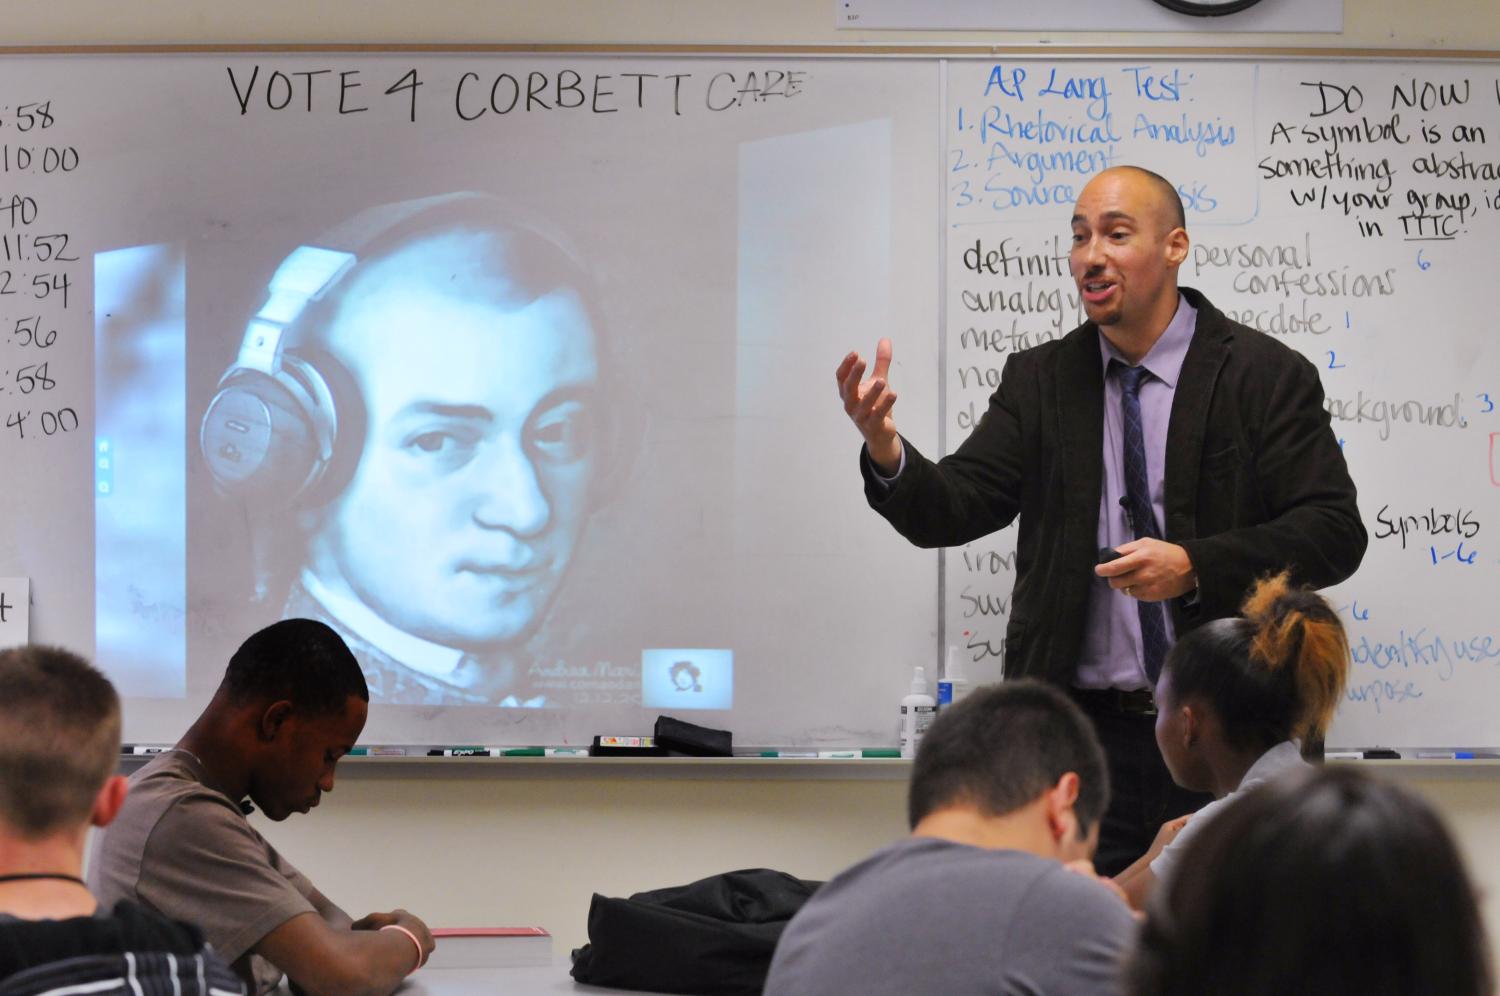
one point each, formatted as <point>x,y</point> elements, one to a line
<point>651,768</point>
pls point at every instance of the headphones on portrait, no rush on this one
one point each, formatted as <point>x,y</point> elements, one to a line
<point>286,423</point>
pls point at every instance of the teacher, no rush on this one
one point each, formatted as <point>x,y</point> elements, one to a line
<point>1160,458</point>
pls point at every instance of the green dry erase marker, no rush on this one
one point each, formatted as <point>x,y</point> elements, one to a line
<point>849,755</point>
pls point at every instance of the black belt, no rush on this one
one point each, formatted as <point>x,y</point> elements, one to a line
<point>1135,702</point>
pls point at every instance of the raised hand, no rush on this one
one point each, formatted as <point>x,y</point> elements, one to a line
<point>868,404</point>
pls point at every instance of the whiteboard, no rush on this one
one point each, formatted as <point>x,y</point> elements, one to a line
<point>741,221</point>
<point>1347,209</point>
<point>746,221</point>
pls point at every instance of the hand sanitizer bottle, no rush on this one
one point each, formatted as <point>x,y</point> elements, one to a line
<point>917,710</point>
<point>954,686</point>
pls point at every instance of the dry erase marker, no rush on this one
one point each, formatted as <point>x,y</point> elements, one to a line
<point>378,752</point>
<point>523,752</point>
<point>464,752</point>
<point>1457,755</point>
<point>789,753</point>
<point>567,752</point>
<point>143,749</point>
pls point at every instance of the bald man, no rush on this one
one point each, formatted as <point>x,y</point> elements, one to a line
<point>1160,457</point>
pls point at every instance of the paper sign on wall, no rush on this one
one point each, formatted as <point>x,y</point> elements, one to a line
<point>1080,15</point>
<point>15,611</point>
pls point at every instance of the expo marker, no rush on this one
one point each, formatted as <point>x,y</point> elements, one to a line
<point>508,752</point>
<point>865,752</point>
<point>1457,755</point>
<point>544,752</point>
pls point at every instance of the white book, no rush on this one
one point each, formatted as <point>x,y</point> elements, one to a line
<point>490,947</point>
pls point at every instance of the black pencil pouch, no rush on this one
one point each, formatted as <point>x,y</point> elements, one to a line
<point>689,738</point>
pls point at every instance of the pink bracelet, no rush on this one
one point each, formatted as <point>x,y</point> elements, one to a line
<point>421,955</point>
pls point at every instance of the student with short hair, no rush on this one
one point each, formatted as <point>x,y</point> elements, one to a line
<point>292,702</point>
<point>59,744</point>
<point>1008,787</point>
<point>1234,699</point>
<point>1329,882</point>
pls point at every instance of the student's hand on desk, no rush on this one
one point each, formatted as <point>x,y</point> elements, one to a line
<point>403,919</point>
<point>336,961</point>
<point>374,921</point>
<point>868,404</point>
<point>1150,570</point>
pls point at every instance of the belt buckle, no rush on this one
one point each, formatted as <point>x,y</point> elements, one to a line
<point>1135,701</point>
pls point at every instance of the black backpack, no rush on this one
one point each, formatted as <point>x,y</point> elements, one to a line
<point>713,937</point>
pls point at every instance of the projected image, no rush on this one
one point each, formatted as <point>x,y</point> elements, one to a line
<point>414,419</point>
<point>528,404</point>
<point>687,679</point>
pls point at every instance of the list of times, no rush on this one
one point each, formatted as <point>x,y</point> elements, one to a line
<point>37,271</point>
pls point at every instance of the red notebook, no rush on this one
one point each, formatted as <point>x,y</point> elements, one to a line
<point>490,947</point>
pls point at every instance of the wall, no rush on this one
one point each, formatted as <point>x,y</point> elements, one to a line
<point>470,844</point>
<point>474,847</point>
<point>1441,24</point>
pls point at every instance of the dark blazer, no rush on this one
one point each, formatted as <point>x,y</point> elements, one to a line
<point>1255,482</point>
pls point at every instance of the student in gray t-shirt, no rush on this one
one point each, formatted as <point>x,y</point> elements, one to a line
<point>993,892</point>
<point>292,702</point>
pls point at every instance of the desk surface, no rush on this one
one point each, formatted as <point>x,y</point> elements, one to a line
<point>513,980</point>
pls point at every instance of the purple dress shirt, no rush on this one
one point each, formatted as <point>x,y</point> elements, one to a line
<point>1111,653</point>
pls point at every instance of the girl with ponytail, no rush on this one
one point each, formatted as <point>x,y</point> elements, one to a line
<point>1234,699</point>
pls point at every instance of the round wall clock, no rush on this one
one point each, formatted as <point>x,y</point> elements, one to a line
<point>1208,8</point>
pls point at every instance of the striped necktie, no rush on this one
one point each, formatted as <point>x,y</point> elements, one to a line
<point>1138,508</point>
